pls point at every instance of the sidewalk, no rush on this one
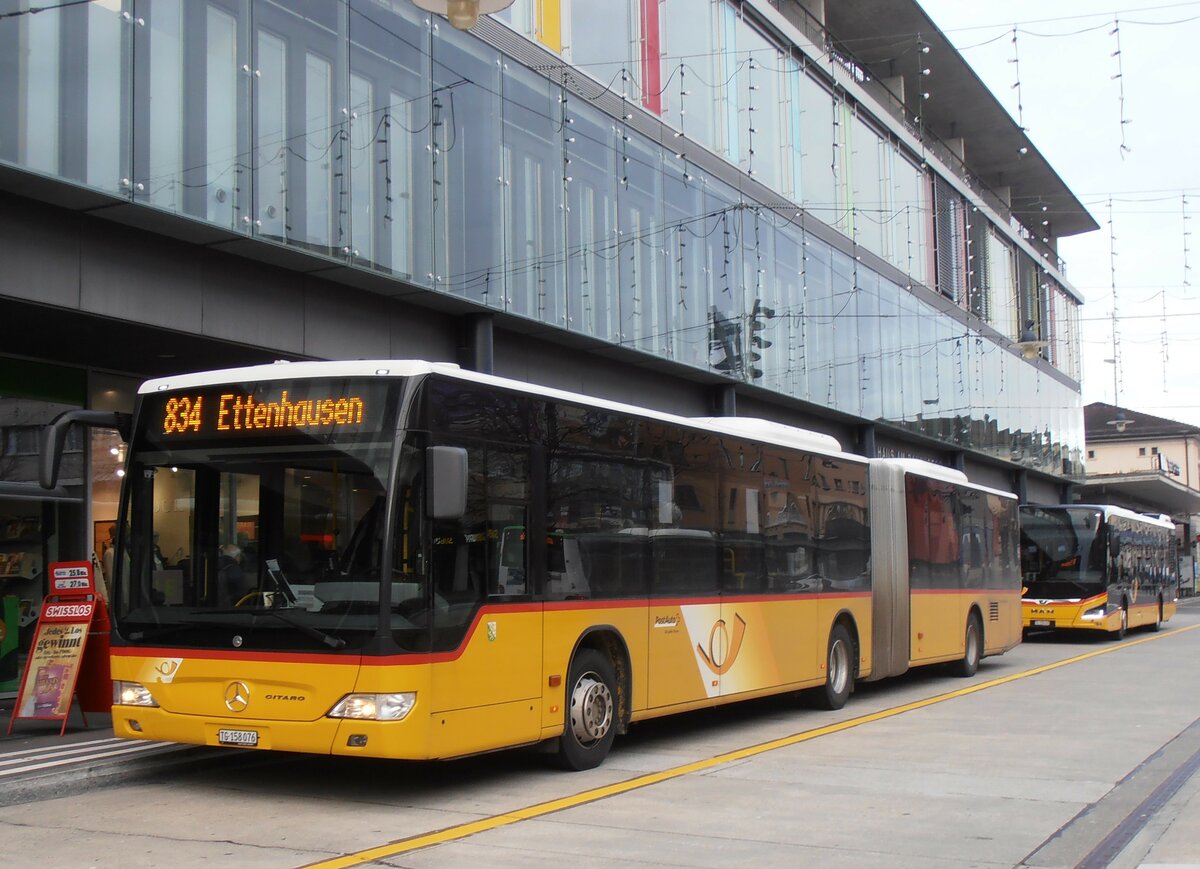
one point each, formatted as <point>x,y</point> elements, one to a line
<point>36,762</point>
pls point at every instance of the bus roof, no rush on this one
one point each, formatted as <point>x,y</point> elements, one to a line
<point>934,471</point>
<point>1109,510</point>
<point>775,433</point>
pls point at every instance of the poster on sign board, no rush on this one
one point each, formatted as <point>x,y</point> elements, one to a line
<point>52,669</point>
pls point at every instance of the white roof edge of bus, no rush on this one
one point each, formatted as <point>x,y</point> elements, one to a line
<point>768,429</point>
<point>940,472</point>
<point>823,444</point>
<point>285,370</point>
<point>1113,510</point>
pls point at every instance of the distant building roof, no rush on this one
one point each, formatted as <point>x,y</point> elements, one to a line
<point>1096,417</point>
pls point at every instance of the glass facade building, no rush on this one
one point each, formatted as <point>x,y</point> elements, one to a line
<point>684,179</point>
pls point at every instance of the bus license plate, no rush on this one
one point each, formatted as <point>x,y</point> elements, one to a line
<point>1043,623</point>
<point>248,738</point>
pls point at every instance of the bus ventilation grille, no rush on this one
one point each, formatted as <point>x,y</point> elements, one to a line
<point>994,611</point>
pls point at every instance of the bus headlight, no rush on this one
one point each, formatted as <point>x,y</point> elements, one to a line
<point>1095,614</point>
<point>131,694</point>
<point>374,707</point>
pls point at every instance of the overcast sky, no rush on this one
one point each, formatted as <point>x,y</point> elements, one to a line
<point>1070,98</point>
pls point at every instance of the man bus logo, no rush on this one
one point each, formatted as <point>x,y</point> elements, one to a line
<point>722,651</point>
<point>237,696</point>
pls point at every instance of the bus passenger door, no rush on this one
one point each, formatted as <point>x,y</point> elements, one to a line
<point>487,634</point>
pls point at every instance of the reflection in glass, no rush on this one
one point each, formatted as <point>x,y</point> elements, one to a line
<point>162,186</point>
<point>221,110</point>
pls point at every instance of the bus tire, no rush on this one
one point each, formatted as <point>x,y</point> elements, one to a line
<point>1156,625</point>
<point>972,648</point>
<point>591,712</point>
<point>1119,633</point>
<point>839,669</point>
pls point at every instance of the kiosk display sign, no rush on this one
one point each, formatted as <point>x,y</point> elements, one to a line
<point>47,686</point>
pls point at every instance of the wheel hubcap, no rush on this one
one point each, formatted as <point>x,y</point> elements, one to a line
<point>839,666</point>
<point>591,709</point>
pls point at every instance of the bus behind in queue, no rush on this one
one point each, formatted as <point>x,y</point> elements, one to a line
<point>1097,568</point>
<point>404,559</point>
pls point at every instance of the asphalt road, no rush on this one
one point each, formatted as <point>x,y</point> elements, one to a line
<point>1064,752</point>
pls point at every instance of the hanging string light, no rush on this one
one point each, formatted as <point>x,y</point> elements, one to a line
<point>1119,77</point>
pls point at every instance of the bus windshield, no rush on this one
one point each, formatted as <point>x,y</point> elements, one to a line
<point>1063,552</point>
<point>268,537</point>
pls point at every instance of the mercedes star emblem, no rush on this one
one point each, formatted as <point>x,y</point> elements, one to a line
<point>237,696</point>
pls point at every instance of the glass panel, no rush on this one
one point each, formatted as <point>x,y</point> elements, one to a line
<point>869,372</point>
<point>688,69</point>
<point>301,113</point>
<point>319,143</point>
<point>844,329</point>
<point>640,260</point>
<point>816,112</point>
<point>870,205</point>
<point>729,110</point>
<point>591,221</point>
<point>686,289</point>
<point>393,198</point>
<point>364,156</point>
<point>162,183</point>
<point>221,109</point>
<point>42,94</point>
<point>600,40</point>
<point>819,321</point>
<point>891,342</point>
<point>533,196</point>
<point>271,153</point>
<point>789,357</point>
<point>467,205</point>
<point>725,291</point>
<point>758,66</point>
<point>107,96</point>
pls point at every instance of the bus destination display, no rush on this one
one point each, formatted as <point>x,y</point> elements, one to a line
<point>263,409</point>
<point>234,412</point>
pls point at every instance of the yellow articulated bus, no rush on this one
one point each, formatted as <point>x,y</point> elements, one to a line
<point>404,559</point>
<point>1097,568</point>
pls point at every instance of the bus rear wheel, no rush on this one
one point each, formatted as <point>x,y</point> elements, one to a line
<point>972,648</point>
<point>590,712</point>
<point>1156,625</point>
<point>839,670</point>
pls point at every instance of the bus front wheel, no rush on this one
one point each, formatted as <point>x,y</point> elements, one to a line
<point>839,670</point>
<point>591,711</point>
<point>972,648</point>
<point>1119,633</point>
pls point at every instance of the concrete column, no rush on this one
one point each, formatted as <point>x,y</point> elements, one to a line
<point>866,441</point>
<point>477,352</point>
<point>724,400</point>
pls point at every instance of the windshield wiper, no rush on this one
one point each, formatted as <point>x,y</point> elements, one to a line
<point>317,634</point>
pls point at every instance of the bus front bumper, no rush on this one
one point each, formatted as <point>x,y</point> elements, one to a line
<point>1088,615</point>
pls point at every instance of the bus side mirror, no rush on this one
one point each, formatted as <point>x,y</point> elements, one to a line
<point>54,437</point>
<point>446,482</point>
